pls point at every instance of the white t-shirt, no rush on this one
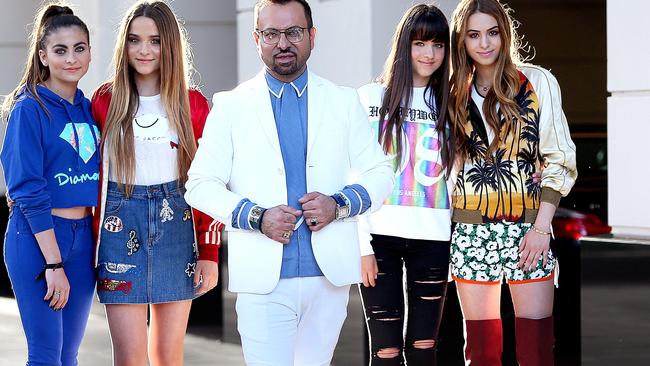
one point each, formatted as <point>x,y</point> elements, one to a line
<point>420,205</point>
<point>156,144</point>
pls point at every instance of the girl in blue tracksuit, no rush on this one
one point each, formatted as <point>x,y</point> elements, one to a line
<point>50,158</point>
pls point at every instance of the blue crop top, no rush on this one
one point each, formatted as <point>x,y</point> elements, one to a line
<point>50,158</point>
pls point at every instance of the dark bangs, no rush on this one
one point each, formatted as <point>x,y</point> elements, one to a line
<point>430,25</point>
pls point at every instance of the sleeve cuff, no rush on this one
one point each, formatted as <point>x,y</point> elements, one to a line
<point>209,252</point>
<point>40,222</point>
<point>240,214</point>
<point>366,249</point>
<point>358,197</point>
<point>551,196</point>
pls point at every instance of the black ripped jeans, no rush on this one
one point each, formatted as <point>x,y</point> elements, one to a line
<point>427,266</point>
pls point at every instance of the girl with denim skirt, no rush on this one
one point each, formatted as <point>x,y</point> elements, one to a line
<point>50,158</point>
<point>411,231</point>
<point>508,124</point>
<point>154,252</point>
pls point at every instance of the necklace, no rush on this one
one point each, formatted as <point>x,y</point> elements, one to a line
<point>141,126</point>
<point>484,88</point>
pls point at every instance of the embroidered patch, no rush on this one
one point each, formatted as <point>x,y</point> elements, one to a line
<point>118,267</point>
<point>133,244</point>
<point>107,284</point>
<point>191,267</point>
<point>113,224</point>
<point>166,213</point>
<point>187,215</point>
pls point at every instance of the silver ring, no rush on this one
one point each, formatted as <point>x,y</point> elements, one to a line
<point>313,221</point>
<point>286,234</point>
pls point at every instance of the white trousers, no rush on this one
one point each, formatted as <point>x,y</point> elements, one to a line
<point>298,323</point>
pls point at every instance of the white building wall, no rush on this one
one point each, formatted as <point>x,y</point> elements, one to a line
<point>352,39</point>
<point>628,122</point>
<point>211,26</point>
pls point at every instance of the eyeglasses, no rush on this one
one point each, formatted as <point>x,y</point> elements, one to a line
<point>272,36</point>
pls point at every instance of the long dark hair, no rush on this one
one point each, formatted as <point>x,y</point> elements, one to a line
<point>49,19</point>
<point>421,22</point>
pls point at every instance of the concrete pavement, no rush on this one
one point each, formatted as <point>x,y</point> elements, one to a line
<point>96,347</point>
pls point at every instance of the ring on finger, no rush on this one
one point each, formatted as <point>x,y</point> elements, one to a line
<point>286,234</point>
<point>313,221</point>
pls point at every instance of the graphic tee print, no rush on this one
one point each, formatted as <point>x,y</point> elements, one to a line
<point>155,142</point>
<point>420,176</point>
<point>87,144</point>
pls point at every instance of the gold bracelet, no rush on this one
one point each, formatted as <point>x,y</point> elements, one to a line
<point>535,229</point>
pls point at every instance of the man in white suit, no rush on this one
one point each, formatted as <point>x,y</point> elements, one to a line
<point>275,164</point>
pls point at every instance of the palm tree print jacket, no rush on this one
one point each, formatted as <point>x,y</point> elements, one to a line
<point>501,187</point>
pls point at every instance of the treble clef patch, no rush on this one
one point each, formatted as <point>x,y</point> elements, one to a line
<point>133,244</point>
<point>166,213</point>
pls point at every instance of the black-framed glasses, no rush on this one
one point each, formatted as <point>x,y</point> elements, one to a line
<point>272,36</point>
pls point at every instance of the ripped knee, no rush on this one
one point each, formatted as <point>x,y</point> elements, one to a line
<point>391,352</point>
<point>424,344</point>
<point>383,314</point>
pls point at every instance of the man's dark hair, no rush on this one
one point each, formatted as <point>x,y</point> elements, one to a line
<point>261,3</point>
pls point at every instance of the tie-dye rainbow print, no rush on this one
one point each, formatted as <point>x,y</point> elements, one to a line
<point>420,180</point>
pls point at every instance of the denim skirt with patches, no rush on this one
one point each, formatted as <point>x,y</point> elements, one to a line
<point>147,253</point>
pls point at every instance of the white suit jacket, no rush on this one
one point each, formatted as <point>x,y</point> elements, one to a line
<point>239,157</point>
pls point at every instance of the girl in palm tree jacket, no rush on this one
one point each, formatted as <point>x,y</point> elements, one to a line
<point>508,123</point>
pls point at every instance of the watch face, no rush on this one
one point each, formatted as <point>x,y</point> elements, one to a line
<point>256,212</point>
<point>342,212</point>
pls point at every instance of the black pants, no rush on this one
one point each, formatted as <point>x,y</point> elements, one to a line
<point>427,266</point>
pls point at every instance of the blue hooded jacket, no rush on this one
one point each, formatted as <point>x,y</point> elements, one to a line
<point>50,158</point>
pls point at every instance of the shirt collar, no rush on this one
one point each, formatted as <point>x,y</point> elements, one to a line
<point>276,87</point>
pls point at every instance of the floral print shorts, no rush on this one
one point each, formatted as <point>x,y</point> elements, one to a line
<point>484,253</point>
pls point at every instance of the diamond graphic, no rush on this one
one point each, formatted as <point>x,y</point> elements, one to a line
<point>86,141</point>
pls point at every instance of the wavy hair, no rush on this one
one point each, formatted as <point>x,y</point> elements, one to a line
<point>505,83</point>
<point>48,20</point>
<point>174,81</point>
<point>420,22</point>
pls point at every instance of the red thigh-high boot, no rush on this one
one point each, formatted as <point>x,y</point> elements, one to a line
<point>534,341</point>
<point>483,342</point>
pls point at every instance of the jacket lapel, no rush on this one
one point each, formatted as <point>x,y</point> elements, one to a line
<point>261,103</point>
<point>315,108</point>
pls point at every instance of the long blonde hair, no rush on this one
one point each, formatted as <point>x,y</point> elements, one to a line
<point>505,83</point>
<point>174,82</point>
<point>48,20</point>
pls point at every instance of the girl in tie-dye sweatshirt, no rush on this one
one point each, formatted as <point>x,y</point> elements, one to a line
<point>407,107</point>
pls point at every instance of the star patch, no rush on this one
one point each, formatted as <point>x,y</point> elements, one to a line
<point>191,268</point>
